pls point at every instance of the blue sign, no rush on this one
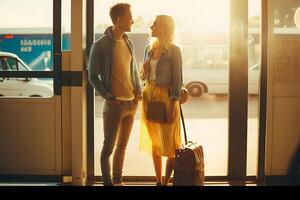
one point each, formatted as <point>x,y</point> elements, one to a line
<point>36,50</point>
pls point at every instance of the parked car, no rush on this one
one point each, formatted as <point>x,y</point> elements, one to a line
<point>20,87</point>
<point>215,81</point>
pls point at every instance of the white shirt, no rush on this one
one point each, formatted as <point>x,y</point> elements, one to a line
<point>122,86</point>
<point>153,64</point>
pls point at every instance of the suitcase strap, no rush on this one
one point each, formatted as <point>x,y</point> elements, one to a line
<point>183,124</point>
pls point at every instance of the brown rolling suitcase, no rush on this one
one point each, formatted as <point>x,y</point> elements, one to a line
<point>189,163</point>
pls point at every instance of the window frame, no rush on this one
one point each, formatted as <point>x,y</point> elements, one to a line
<point>56,73</point>
<point>235,171</point>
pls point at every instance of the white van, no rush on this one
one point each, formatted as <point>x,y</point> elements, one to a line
<point>215,81</point>
<point>205,70</point>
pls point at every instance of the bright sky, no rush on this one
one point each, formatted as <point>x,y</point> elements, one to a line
<point>31,13</point>
<point>190,15</point>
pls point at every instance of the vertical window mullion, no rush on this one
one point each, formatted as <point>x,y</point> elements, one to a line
<point>57,46</point>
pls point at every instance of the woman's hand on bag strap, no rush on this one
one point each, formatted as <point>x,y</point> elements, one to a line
<point>137,98</point>
<point>184,95</point>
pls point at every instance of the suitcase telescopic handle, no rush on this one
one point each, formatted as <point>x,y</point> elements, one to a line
<point>183,124</point>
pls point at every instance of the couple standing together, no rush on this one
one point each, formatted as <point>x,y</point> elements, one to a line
<point>113,73</point>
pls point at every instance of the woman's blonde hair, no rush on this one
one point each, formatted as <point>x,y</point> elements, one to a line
<point>167,32</point>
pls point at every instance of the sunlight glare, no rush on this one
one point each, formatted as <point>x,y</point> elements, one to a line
<point>191,16</point>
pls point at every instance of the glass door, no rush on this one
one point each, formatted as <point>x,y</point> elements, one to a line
<point>204,33</point>
<point>205,48</point>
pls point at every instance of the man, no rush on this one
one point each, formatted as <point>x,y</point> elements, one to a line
<point>113,73</point>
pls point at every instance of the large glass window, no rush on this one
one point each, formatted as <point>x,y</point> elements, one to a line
<point>66,25</point>
<point>254,56</point>
<point>203,35</point>
<point>284,12</point>
<point>26,44</point>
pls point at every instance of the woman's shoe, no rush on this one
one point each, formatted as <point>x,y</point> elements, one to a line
<point>119,184</point>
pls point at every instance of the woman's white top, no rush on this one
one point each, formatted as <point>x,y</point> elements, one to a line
<point>153,64</point>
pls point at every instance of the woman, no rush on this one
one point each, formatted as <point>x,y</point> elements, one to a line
<point>162,72</point>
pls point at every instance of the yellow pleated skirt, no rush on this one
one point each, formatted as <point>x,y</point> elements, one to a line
<point>162,139</point>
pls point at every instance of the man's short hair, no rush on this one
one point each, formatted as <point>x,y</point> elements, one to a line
<point>117,10</point>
